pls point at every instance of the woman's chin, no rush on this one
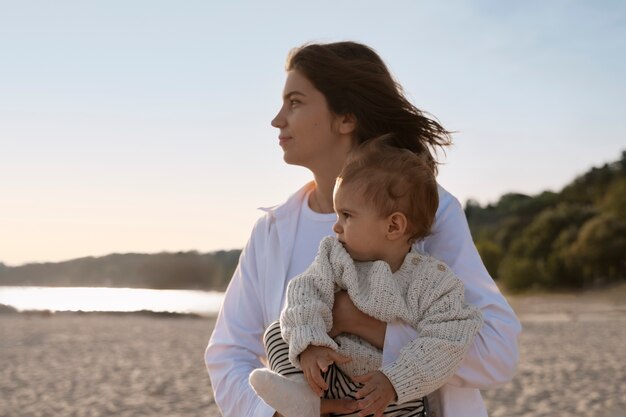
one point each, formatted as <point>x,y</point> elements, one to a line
<point>291,159</point>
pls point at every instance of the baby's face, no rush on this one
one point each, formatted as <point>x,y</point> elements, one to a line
<point>360,228</point>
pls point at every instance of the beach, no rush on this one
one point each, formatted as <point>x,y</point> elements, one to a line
<point>572,357</point>
<point>573,362</point>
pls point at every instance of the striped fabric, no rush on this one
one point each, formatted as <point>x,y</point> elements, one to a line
<point>340,385</point>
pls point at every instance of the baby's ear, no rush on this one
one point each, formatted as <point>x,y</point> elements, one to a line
<point>396,225</point>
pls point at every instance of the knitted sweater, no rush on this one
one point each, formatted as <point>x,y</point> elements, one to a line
<point>424,293</point>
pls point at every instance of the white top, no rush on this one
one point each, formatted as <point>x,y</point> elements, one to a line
<point>256,293</point>
<point>423,292</point>
<point>312,228</point>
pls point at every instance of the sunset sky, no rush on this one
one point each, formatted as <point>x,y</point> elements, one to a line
<point>144,126</point>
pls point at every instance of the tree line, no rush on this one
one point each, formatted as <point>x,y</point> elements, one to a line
<point>182,270</point>
<point>572,239</point>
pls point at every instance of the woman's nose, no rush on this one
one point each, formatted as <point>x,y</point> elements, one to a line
<point>278,121</point>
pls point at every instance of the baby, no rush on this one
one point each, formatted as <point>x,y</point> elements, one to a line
<point>386,199</point>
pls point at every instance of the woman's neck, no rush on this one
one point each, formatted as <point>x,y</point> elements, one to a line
<point>325,173</point>
<point>321,198</point>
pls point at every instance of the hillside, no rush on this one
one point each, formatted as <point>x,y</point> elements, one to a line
<point>575,238</point>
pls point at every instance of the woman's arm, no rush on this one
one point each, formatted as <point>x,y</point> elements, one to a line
<point>349,319</point>
<point>235,347</point>
<point>492,359</point>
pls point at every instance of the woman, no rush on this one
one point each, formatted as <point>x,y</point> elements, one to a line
<point>337,96</point>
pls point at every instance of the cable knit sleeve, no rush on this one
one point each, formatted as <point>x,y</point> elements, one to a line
<point>307,317</point>
<point>446,327</point>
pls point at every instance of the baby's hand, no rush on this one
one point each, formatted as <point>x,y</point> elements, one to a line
<point>316,359</point>
<point>375,394</point>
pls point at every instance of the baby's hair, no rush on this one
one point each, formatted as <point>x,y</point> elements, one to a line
<point>394,180</point>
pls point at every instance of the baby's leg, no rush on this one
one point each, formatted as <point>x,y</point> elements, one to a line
<point>278,351</point>
<point>341,386</point>
<point>283,386</point>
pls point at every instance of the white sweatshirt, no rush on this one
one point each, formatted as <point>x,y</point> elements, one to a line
<point>256,296</point>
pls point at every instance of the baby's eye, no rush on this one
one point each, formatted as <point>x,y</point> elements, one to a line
<point>345,215</point>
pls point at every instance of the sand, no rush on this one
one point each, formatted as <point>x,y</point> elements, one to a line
<point>573,362</point>
<point>83,365</point>
<point>572,357</point>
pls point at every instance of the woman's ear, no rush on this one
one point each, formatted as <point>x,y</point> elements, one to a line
<point>347,124</point>
<point>397,225</point>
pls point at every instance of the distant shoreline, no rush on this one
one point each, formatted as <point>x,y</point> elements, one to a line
<point>5,309</point>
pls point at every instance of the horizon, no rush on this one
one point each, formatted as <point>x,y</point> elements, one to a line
<point>145,127</point>
<point>240,248</point>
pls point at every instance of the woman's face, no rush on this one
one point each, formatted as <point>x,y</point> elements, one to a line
<point>310,135</point>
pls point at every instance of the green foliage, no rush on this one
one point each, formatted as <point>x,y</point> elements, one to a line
<point>521,273</point>
<point>491,254</point>
<point>599,252</point>
<point>536,240</point>
<point>614,201</point>
<point>571,239</point>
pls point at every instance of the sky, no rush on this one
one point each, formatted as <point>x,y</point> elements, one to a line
<point>144,126</point>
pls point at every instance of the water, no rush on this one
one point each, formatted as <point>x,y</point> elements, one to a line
<point>206,303</point>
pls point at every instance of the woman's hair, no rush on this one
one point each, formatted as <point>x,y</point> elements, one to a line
<point>394,180</point>
<point>356,81</point>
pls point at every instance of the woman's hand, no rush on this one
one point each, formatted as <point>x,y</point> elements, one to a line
<point>349,319</point>
<point>375,395</point>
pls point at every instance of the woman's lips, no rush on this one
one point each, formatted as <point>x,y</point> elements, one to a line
<point>283,139</point>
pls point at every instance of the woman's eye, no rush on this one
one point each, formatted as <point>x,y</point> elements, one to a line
<point>294,102</point>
